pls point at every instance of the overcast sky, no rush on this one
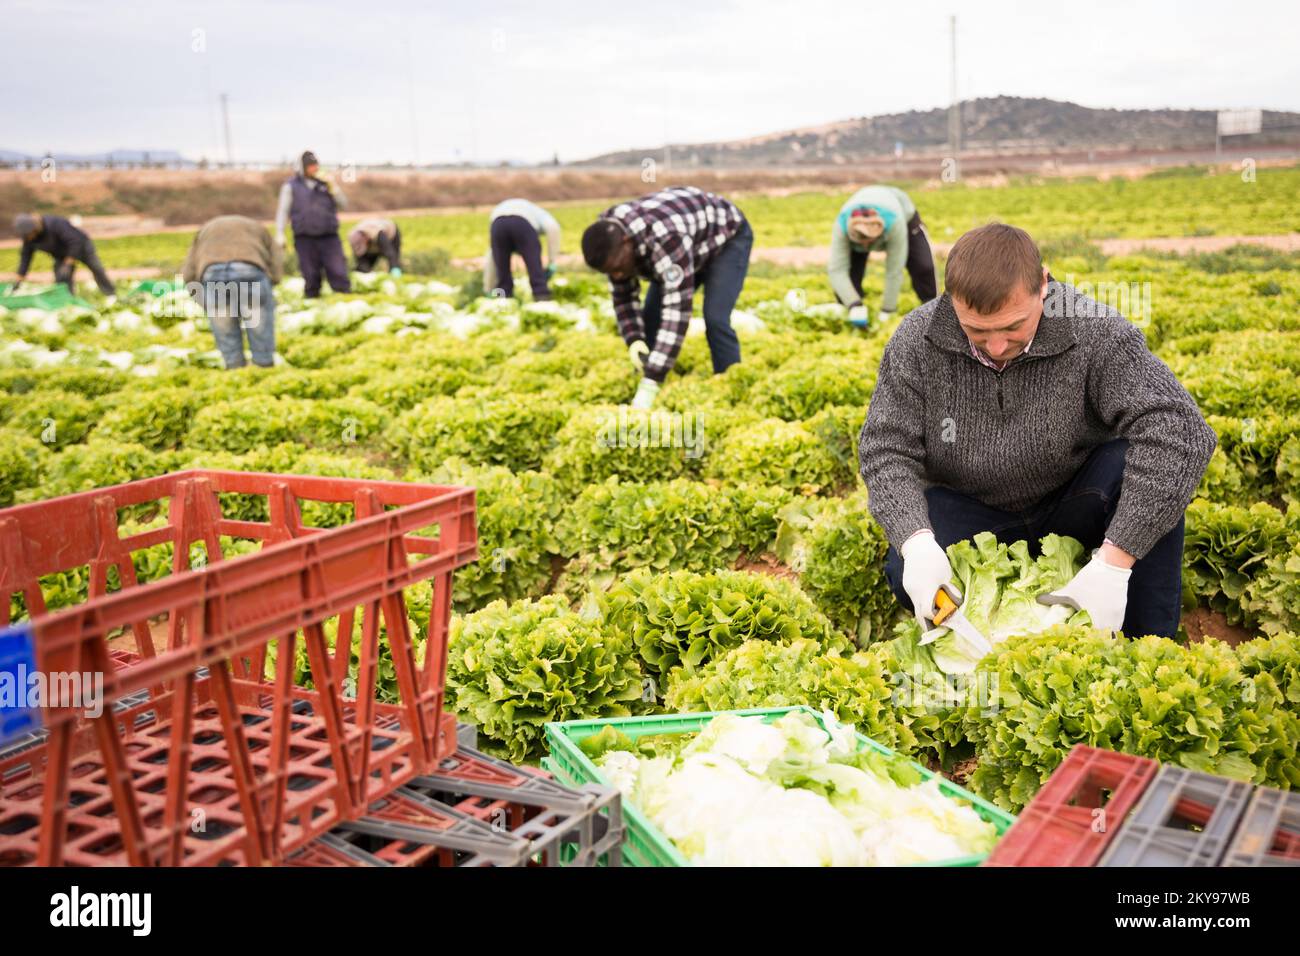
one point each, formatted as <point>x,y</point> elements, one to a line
<point>454,80</point>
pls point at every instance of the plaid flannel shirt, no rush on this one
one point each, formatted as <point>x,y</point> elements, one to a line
<point>676,232</point>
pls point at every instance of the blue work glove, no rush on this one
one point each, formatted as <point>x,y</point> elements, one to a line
<point>550,271</point>
<point>395,272</point>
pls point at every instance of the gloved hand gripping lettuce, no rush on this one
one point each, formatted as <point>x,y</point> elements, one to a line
<point>1001,584</point>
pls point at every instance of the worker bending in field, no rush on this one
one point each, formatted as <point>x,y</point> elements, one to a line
<point>876,218</point>
<point>237,263</point>
<point>680,240</point>
<point>514,226</point>
<point>372,238</point>
<point>311,202</point>
<point>66,244</point>
<point>1016,405</point>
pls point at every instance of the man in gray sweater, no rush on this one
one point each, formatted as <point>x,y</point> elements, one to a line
<point>1013,404</point>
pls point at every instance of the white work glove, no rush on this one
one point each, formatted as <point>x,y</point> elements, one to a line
<point>637,352</point>
<point>1099,588</point>
<point>279,239</point>
<point>925,570</point>
<point>858,315</point>
<point>646,393</point>
<point>882,317</point>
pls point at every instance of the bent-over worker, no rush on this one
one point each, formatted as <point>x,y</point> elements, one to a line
<point>237,263</point>
<point>372,238</point>
<point>680,239</point>
<point>514,226</point>
<point>879,218</point>
<point>66,244</point>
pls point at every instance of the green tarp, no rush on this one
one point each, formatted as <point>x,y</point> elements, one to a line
<point>158,287</point>
<point>50,298</point>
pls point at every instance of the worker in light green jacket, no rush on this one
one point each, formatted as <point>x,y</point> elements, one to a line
<point>880,218</point>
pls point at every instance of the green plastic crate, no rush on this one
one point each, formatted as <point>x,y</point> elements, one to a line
<point>644,844</point>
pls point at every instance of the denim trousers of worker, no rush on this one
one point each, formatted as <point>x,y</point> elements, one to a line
<point>1082,508</point>
<point>239,300</point>
<point>721,279</point>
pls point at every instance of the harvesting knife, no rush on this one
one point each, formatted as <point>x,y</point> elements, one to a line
<point>950,615</point>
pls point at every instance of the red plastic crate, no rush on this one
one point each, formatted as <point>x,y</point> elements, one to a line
<point>1076,814</point>
<point>198,756</point>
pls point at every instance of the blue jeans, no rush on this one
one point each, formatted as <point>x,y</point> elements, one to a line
<point>1082,509</point>
<point>722,279</point>
<point>239,301</point>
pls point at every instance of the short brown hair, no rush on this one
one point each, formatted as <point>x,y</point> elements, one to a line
<point>987,263</point>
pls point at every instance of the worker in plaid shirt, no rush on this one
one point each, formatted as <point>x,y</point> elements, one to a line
<point>679,239</point>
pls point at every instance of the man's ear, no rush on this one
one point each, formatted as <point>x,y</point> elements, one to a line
<point>1042,293</point>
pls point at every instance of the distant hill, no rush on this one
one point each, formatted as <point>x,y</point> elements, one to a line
<point>1003,124</point>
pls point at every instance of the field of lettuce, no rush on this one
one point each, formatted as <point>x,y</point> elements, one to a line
<point>716,553</point>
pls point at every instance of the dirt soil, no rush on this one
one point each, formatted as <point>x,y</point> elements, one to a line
<point>800,256</point>
<point>766,563</point>
<point>1203,623</point>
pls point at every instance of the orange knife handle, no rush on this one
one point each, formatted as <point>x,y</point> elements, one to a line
<point>946,606</point>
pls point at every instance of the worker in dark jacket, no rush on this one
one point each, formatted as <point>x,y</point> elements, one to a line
<point>1014,404</point>
<point>372,238</point>
<point>311,202</point>
<point>237,264</point>
<point>67,244</point>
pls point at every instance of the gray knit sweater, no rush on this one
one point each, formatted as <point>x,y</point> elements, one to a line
<point>939,417</point>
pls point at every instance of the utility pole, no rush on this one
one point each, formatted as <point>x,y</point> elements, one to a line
<point>225,122</point>
<point>954,111</point>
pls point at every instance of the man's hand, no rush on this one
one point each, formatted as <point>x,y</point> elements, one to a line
<point>882,317</point>
<point>858,316</point>
<point>279,239</point>
<point>1099,588</point>
<point>637,353</point>
<point>13,289</point>
<point>395,271</point>
<point>925,569</point>
<point>550,271</point>
<point>646,393</point>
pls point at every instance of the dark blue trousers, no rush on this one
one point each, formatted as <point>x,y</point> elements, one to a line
<point>511,234</point>
<point>321,254</point>
<point>1082,509</point>
<point>722,279</point>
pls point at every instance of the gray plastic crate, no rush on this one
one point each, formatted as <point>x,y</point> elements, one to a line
<point>1183,819</point>
<point>582,827</point>
<point>567,827</point>
<point>467,735</point>
<point>1269,831</point>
